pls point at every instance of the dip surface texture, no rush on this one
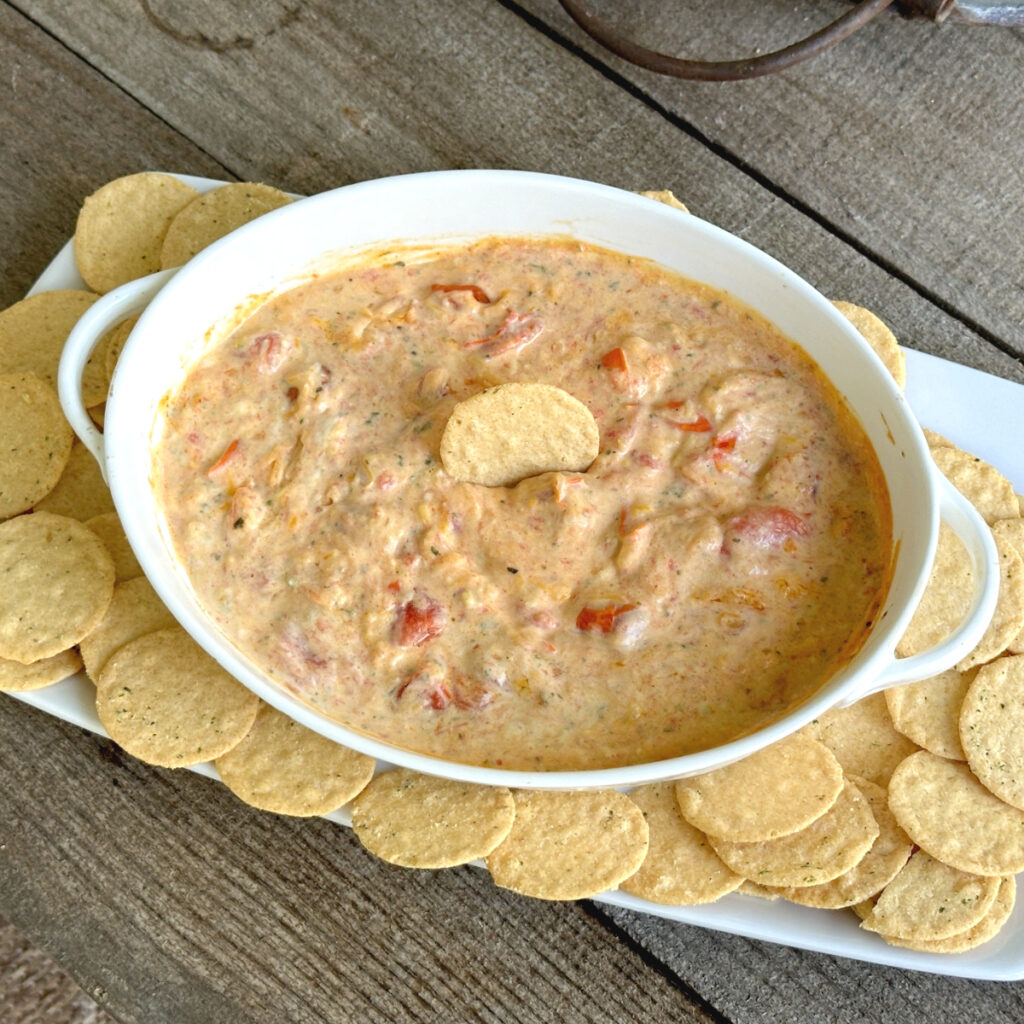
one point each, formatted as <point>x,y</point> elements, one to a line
<point>720,559</point>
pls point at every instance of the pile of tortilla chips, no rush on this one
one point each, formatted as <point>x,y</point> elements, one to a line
<point>906,807</point>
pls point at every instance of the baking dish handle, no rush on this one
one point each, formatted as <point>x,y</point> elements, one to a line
<point>963,519</point>
<point>103,315</point>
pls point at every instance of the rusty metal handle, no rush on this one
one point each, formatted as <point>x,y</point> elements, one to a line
<point>734,70</point>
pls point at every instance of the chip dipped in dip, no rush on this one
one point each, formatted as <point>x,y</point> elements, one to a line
<point>719,560</point>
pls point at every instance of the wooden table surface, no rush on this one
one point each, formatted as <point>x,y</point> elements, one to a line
<point>889,172</point>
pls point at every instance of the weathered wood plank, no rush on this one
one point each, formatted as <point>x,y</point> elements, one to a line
<point>65,131</point>
<point>906,138</point>
<point>751,982</point>
<point>178,903</point>
<point>329,94</point>
<point>312,97</point>
<point>34,990</point>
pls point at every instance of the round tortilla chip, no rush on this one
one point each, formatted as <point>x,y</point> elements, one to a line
<point>81,492</point>
<point>777,791</point>
<point>1011,532</point>
<point>35,441</point>
<point>18,678</point>
<point>928,712</point>
<point>421,821</point>
<point>879,337</point>
<point>121,227</point>
<point>878,867</point>
<point>214,215</point>
<point>951,815</point>
<point>167,702</point>
<point>99,366</point>
<point>107,526</point>
<point>681,868</point>
<point>992,728</point>
<point>929,900</point>
<point>283,767</point>
<point>946,598</point>
<point>56,581</point>
<point>33,331</point>
<point>981,484</point>
<point>987,928</point>
<point>113,345</point>
<point>863,738</point>
<point>570,845</point>
<point>830,846</point>
<point>1008,618</point>
<point>134,610</point>
<point>666,196</point>
<point>499,436</point>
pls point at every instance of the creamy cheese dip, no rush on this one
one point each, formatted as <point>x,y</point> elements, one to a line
<point>721,558</point>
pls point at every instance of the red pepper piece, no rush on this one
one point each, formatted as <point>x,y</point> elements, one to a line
<point>477,292</point>
<point>418,621</point>
<point>720,447</point>
<point>769,526</point>
<point>699,426</point>
<point>229,453</point>
<point>592,620</point>
<point>615,360</point>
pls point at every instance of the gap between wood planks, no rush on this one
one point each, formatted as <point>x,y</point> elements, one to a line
<point>138,101</point>
<point>724,153</point>
<point>652,963</point>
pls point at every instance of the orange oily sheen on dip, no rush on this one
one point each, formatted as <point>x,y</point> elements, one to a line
<point>721,557</point>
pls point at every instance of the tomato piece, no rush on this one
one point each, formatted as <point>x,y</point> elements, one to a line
<point>418,621</point>
<point>769,526</point>
<point>614,360</point>
<point>700,425</point>
<point>229,453</point>
<point>474,289</point>
<point>594,620</point>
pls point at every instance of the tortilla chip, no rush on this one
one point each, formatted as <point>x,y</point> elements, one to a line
<point>499,436</point>
<point>777,791</point>
<point>18,678</point>
<point>928,712</point>
<point>81,492</point>
<point>570,845</point>
<point>863,738</point>
<point>876,869</point>
<point>35,441</point>
<point>283,767</point>
<point>681,868</point>
<point>107,526</point>
<point>167,702</point>
<point>214,215</point>
<point>827,848</point>
<point>420,821</point>
<point>121,227</point>
<point>992,728</point>
<point>134,610</point>
<point>879,337</point>
<point>981,484</point>
<point>56,581</point>
<point>33,331</point>
<point>929,901</point>
<point>950,814</point>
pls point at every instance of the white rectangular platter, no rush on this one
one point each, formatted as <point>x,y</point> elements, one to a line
<point>979,412</point>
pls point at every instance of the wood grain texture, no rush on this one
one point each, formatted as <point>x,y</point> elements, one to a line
<point>66,130</point>
<point>752,982</point>
<point>167,898</point>
<point>34,989</point>
<point>906,138</point>
<point>177,903</point>
<point>344,91</point>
